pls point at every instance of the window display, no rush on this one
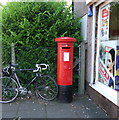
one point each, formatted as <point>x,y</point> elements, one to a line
<point>108,72</point>
<point>109,64</point>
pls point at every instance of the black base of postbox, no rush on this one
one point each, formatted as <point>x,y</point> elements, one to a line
<point>65,93</point>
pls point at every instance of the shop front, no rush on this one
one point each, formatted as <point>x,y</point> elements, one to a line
<point>105,72</point>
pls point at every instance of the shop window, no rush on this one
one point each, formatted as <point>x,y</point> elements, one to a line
<point>108,65</point>
<point>110,22</point>
<point>114,22</point>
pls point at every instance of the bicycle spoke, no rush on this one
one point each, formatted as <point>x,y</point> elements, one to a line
<point>9,89</point>
<point>47,88</point>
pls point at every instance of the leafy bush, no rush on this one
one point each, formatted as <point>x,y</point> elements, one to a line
<point>32,27</point>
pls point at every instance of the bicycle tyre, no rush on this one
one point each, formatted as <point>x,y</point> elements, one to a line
<point>8,90</point>
<point>46,88</point>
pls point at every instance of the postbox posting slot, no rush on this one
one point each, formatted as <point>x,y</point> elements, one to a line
<point>65,47</point>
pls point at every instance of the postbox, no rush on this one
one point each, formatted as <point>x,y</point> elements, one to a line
<point>65,67</point>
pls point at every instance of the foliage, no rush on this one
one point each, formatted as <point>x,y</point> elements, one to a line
<point>32,27</point>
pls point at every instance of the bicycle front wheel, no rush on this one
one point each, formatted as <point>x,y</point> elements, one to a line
<point>8,89</point>
<point>46,87</point>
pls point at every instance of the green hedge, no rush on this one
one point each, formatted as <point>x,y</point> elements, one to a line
<point>32,27</point>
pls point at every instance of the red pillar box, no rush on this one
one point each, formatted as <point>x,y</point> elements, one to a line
<point>65,67</point>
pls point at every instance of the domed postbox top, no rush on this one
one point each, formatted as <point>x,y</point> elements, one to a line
<point>65,39</point>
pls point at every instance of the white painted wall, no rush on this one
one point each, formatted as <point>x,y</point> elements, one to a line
<point>84,27</point>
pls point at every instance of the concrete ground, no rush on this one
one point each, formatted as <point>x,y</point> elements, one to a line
<point>34,107</point>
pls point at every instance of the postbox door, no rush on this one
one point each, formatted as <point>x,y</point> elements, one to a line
<point>67,60</point>
<point>66,66</point>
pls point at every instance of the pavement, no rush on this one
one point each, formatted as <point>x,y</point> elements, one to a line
<point>34,107</point>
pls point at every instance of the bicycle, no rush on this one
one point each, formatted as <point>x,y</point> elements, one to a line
<point>45,85</point>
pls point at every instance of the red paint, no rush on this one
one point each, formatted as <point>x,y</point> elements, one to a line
<point>65,60</point>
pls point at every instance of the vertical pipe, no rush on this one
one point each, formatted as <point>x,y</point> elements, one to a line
<point>82,69</point>
<point>12,54</point>
<point>79,69</point>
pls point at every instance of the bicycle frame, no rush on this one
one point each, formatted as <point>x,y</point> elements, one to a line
<point>14,76</point>
<point>47,89</point>
<point>37,74</point>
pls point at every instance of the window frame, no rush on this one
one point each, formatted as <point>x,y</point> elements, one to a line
<point>106,91</point>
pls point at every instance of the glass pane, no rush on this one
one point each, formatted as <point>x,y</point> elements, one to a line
<point>108,69</point>
<point>114,21</point>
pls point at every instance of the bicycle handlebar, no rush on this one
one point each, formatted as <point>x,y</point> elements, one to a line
<point>40,68</point>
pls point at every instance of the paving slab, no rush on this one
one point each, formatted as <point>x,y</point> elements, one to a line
<point>80,107</point>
